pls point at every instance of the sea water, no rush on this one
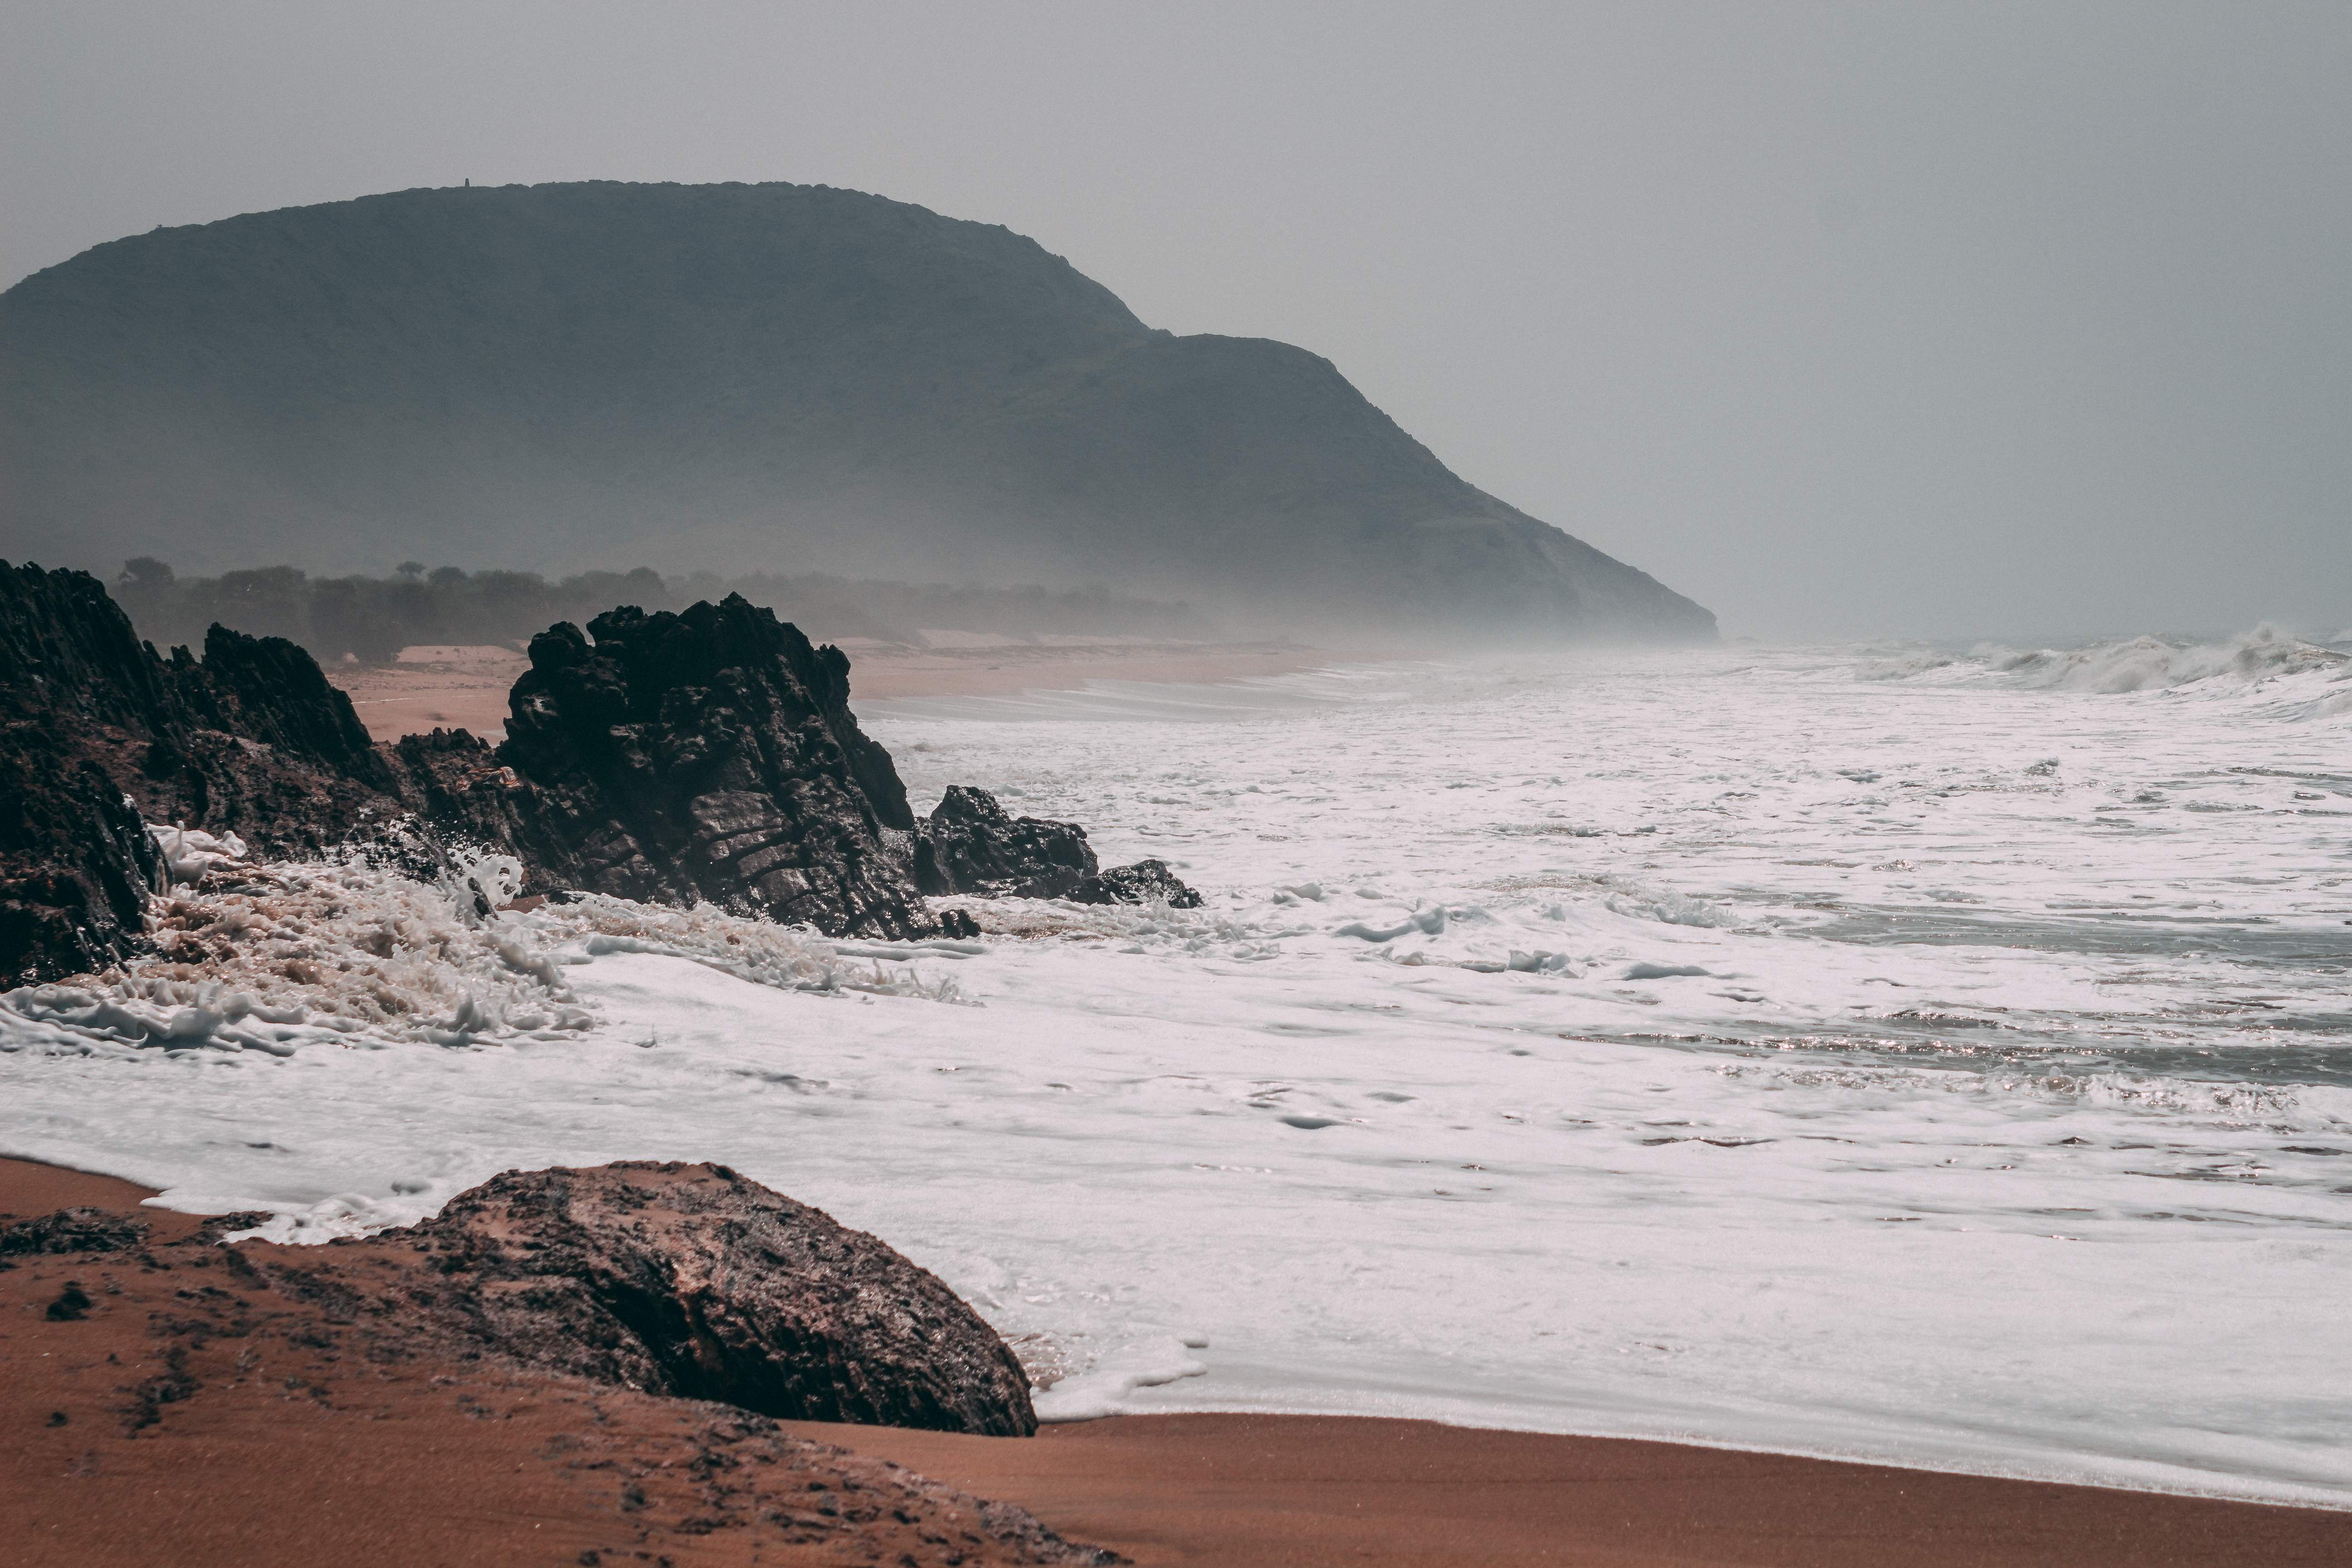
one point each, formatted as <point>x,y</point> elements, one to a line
<point>1930,1055</point>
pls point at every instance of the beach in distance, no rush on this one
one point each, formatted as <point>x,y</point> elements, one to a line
<point>466,687</point>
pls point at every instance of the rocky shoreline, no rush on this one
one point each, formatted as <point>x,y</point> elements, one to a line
<point>565,1366</point>
<point>703,756</point>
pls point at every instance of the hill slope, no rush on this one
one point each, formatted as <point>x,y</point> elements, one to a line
<point>734,377</point>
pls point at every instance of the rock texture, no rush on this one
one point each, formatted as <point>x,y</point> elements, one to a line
<point>971,844</point>
<point>83,1228</point>
<point>738,377</point>
<point>163,1397</point>
<point>690,1280</point>
<point>1146,881</point>
<point>712,755</point>
<point>97,732</point>
<point>707,755</point>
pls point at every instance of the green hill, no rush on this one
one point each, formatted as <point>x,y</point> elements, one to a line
<point>732,378</point>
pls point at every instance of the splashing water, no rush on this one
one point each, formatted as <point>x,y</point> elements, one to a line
<point>350,951</point>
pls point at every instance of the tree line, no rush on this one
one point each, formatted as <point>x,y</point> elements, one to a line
<point>368,620</point>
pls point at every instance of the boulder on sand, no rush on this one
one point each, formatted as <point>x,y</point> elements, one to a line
<point>690,1280</point>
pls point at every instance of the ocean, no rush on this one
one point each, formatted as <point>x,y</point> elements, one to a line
<point>1936,1056</point>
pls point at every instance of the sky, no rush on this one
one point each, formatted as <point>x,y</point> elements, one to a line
<point>1929,320</point>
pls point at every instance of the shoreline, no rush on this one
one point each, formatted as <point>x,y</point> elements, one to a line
<point>1161,1489</point>
<point>452,687</point>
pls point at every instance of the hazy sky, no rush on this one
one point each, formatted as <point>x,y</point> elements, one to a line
<point>1944,319</point>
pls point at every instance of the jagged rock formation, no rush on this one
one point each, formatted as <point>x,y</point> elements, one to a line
<point>97,732</point>
<point>772,377</point>
<point>708,755</point>
<point>712,755</point>
<point>971,844</point>
<point>690,1280</point>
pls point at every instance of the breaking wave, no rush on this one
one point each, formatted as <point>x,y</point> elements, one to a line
<point>350,951</point>
<point>2306,679</point>
<point>2146,663</point>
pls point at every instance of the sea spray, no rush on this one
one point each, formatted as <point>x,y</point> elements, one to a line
<point>354,951</point>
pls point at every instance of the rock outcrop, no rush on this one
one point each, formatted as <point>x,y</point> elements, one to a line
<point>691,1280</point>
<point>97,732</point>
<point>712,755</point>
<point>414,1377</point>
<point>1146,881</point>
<point>971,844</point>
<point>707,755</point>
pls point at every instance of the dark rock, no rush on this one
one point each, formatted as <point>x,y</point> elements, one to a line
<point>712,755</point>
<point>97,732</point>
<point>455,785</point>
<point>971,845</point>
<point>72,1230</point>
<point>270,690</point>
<point>1144,882</point>
<point>690,1280</point>
<point>707,755</point>
<point>76,863</point>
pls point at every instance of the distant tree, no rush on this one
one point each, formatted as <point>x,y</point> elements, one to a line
<point>444,576</point>
<point>146,574</point>
<point>412,570</point>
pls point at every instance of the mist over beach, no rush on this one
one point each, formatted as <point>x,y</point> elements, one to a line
<point>1140,760</point>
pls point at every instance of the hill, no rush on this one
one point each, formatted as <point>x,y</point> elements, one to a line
<point>731,377</point>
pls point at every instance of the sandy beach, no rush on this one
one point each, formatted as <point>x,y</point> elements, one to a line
<point>183,1415</point>
<point>437,686</point>
<point>465,688</point>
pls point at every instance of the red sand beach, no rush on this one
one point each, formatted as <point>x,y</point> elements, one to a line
<point>281,1447</point>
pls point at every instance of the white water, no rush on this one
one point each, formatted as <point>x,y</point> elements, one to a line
<point>1930,1057</point>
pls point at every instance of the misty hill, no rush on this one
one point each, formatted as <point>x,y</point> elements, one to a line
<point>731,378</point>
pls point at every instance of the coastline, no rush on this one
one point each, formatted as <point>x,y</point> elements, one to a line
<point>326,1465</point>
<point>466,687</point>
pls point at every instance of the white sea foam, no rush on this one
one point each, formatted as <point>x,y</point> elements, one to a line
<point>1946,1069</point>
<point>2263,656</point>
<point>2141,664</point>
<point>351,951</point>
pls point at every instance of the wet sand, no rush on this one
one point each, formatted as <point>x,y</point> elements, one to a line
<point>466,688</point>
<point>187,1417</point>
<point>170,1406</point>
<point>1302,1490</point>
